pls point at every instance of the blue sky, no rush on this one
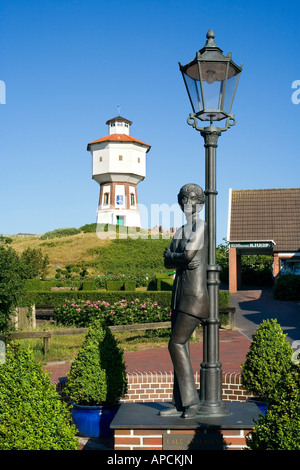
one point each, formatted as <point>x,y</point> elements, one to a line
<point>67,65</point>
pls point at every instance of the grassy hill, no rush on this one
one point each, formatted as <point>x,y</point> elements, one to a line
<point>123,255</point>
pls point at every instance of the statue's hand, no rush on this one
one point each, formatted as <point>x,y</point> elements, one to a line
<point>193,264</point>
<point>167,253</point>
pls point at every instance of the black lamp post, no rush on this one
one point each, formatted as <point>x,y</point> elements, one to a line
<point>211,80</point>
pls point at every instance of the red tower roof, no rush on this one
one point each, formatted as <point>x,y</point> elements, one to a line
<point>118,138</point>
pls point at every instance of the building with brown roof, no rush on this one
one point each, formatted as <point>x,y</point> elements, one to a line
<point>264,221</point>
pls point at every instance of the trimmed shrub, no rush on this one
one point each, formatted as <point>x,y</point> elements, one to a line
<point>129,286</point>
<point>89,285</point>
<point>279,428</point>
<point>115,285</point>
<point>32,415</point>
<point>269,357</point>
<point>97,375</point>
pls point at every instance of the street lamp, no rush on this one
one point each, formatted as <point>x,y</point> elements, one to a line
<point>211,81</point>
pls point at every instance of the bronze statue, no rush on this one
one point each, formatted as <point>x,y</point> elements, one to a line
<point>190,304</point>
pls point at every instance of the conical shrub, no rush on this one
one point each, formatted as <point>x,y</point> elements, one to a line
<point>32,414</point>
<point>97,375</point>
<point>269,356</point>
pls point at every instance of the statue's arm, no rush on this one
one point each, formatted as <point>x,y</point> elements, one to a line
<point>185,258</point>
<point>177,260</point>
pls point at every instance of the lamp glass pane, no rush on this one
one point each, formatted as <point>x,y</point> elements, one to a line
<point>229,93</point>
<point>212,93</point>
<point>195,93</point>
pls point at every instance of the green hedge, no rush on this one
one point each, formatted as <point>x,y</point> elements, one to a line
<point>287,287</point>
<point>37,285</point>
<point>57,298</point>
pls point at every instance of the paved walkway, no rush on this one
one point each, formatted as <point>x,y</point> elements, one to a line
<point>252,307</point>
<point>232,352</point>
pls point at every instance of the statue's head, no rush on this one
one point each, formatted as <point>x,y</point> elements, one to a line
<point>191,198</point>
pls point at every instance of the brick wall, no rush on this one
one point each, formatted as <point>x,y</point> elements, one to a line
<point>158,387</point>
<point>152,439</point>
<point>276,265</point>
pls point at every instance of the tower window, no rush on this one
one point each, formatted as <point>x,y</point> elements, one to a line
<point>120,157</point>
<point>139,160</point>
<point>106,199</point>
<point>100,159</point>
<point>132,199</point>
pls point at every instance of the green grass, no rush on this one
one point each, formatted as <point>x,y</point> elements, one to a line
<point>65,348</point>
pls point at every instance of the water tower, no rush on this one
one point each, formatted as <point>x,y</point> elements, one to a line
<point>119,164</point>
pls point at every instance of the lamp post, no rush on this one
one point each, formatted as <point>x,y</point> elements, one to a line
<point>211,80</point>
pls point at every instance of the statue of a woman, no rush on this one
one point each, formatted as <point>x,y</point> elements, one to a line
<point>188,254</point>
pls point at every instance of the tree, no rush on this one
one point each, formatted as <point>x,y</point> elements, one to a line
<point>222,259</point>
<point>35,265</point>
<point>11,281</point>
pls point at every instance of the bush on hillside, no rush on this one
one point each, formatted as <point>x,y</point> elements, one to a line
<point>130,256</point>
<point>269,357</point>
<point>32,415</point>
<point>60,232</point>
<point>88,228</point>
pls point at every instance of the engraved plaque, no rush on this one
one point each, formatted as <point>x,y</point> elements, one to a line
<point>198,441</point>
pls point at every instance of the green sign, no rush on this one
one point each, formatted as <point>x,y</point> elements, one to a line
<point>251,244</point>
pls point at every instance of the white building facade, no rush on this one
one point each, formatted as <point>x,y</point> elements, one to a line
<point>119,164</point>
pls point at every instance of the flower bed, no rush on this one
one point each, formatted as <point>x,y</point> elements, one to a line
<point>121,312</point>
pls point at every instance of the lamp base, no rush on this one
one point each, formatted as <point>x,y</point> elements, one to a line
<point>216,410</point>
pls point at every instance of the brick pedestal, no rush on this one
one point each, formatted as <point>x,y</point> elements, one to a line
<point>135,439</point>
<point>138,426</point>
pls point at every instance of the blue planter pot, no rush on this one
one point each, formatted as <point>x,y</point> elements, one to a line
<point>262,405</point>
<point>94,421</point>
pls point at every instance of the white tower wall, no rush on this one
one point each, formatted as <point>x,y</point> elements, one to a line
<point>119,164</point>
